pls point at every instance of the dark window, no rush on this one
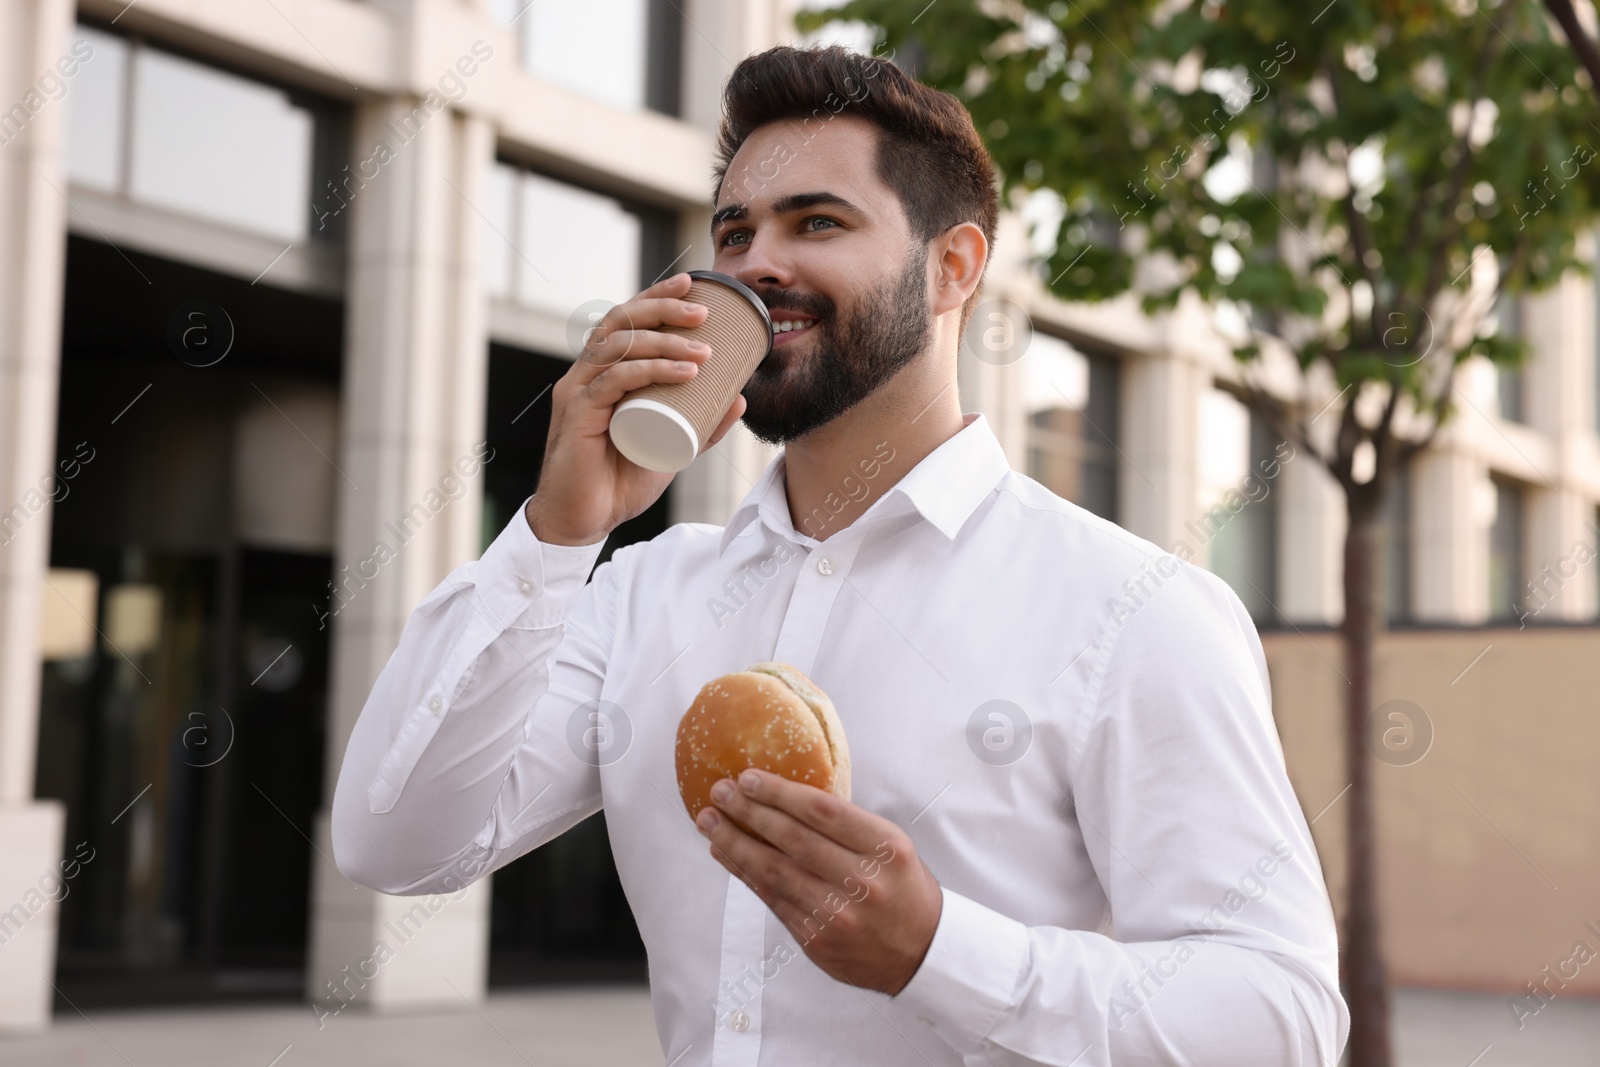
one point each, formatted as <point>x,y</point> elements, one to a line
<point>1394,548</point>
<point>1594,548</point>
<point>663,77</point>
<point>1508,313</point>
<point>187,741</point>
<point>1072,423</point>
<point>1505,551</point>
<point>559,913</point>
<point>1244,545</point>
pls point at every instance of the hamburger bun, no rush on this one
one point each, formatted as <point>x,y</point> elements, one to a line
<point>770,717</point>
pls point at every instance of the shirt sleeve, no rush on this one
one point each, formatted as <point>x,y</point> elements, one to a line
<point>1224,950</point>
<point>458,762</point>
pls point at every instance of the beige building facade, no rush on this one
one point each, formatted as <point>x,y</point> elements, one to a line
<point>392,219</point>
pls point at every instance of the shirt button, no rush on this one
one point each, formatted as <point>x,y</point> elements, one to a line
<point>739,1021</point>
<point>435,704</point>
<point>825,565</point>
<point>526,587</point>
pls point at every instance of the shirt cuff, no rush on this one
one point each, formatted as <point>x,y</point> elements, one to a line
<point>531,581</point>
<point>970,974</point>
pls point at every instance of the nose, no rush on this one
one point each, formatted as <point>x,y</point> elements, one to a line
<point>762,264</point>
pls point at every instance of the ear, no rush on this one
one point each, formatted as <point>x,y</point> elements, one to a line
<point>959,255</point>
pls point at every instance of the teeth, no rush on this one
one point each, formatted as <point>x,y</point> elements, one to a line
<point>789,325</point>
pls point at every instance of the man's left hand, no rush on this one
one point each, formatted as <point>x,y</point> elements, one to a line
<point>846,882</point>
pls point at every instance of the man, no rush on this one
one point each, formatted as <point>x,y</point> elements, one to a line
<point>1072,839</point>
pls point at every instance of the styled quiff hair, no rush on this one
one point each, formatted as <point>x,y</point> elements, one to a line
<point>929,152</point>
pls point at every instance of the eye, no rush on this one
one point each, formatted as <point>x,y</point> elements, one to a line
<point>725,240</point>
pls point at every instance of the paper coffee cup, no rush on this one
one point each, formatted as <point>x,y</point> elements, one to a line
<point>665,425</point>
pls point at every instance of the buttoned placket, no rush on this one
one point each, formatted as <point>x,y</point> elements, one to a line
<point>745,919</point>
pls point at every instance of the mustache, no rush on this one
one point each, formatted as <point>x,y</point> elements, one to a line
<point>814,304</point>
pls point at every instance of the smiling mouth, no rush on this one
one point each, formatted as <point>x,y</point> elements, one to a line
<point>792,326</point>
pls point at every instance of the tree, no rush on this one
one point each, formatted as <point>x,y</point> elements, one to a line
<point>1356,181</point>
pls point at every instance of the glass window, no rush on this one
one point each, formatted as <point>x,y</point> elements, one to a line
<point>1508,320</point>
<point>551,246</point>
<point>573,245</point>
<point>211,144</point>
<point>500,223</point>
<point>96,99</point>
<point>1394,548</point>
<point>854,35</point>
<point>1505,551</point>
<point>664,64</point>
<point>1071,398</point>
<point>1239,464</point>
<point>189,138</point>
<point>596,48</point>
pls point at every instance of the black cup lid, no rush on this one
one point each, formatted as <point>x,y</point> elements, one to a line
<point>743,290</point>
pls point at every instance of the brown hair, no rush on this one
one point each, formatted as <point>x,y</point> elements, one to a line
<point>929,152</point>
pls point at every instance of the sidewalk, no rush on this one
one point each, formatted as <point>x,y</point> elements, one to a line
<point>1434,1028</point>
<point>584,1027</point>
<point>614,1028</point>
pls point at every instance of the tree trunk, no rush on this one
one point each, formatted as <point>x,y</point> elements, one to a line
<point>1366,983</point>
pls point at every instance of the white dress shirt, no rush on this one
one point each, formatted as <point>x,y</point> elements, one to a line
<point>1073,726</point>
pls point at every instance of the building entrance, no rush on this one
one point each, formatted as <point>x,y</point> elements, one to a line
<point>195,533</point>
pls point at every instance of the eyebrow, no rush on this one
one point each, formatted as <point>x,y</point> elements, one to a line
<point>783,206</point>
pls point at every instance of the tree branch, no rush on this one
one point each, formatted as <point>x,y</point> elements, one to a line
<point>1583,46</point>
<point>1277,415</point>
<point>1360,237</point>
<point>1383,438</point>
<point>1441,409</point>
<point>1458,177</point>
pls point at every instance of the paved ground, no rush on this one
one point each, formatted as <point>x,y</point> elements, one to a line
<point>613,1028</point>
<point>1437,1029</point>
<point>581,1028</point>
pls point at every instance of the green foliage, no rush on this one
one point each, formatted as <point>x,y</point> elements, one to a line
<point>1467,118</point>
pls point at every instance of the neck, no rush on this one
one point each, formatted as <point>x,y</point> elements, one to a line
<point>836,472</point>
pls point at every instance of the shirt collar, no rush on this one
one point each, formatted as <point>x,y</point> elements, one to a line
<point>946,487</point>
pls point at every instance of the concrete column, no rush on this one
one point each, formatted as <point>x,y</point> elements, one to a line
<point>1558,325</point>
<point>1158,476</point>
<point>717,35</point>
<point>1558,556</point>
<point>999,390</point>
<point>413,402</point>
<point>1311,531</point>
<point>1560,579</point>
<point>1558,389</point>
<point>34,36</point>
<point>1452,510</point>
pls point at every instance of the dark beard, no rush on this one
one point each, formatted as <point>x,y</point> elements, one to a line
<point>790,395</point>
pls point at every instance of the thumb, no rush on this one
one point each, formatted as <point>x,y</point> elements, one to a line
<point>734,412</point>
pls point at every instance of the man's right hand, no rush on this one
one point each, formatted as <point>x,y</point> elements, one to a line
<point>586,487</point>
